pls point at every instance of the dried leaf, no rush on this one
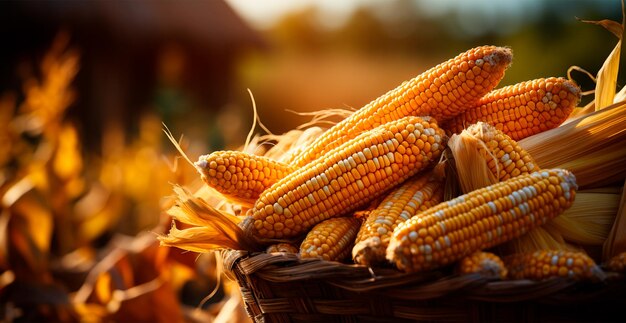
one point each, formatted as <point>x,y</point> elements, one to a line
<point>607,75</point>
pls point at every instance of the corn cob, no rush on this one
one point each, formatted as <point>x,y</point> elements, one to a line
<point>545,264</point>
<point>505,158</point>
<point>441,92</point>
<point>522,110</point>
<point>282,247</point>
<point>331,239</point>
<point>480,219</point>
<point>485,263</point>
<point>346,179</point>
<point>239,176</point>
<point>412,197</point>
<point>617,263</point>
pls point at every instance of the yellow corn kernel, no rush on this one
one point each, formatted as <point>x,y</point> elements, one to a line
<point>545,264</point>
<point>239,176</point>
<point>484,263</point>
<point>346,178</point>
<point>523,109</point>
<point>415,195</point>
<point>441,92</point>
<point>331,239</point>
<point>480,219</point>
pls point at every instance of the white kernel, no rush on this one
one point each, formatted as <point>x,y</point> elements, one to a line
<point>405,215</point>
<point>479,62</point>
<point>278,208</point>
<point>413,236</point>
<point>428,249</point>
<point>434,146</point>
<point>493,207</point>
<point>505,157</point>
<point>517,196</point>
<point>569,262</point>
<point>447,241</point>
<point>362,157</point>
<point>342,165</point>
<point>311,198</point>
<point>326,190</point>
<point>443,226</point>
<point>440,214</point>
<point>555,260</point>
<point>201,163</point>
<point>437,245</point>
<point>411,204</point>
<point>351,162</point>
<point>532,218</point>
<point>512,198</point>
<point>545,174</point>
<point>383,220</point>
<point>382,230</point>
<point>501,218</point>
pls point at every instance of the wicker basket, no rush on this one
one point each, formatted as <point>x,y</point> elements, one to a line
<point>283,288</point>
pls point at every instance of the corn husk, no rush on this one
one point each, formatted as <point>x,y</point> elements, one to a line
<point>592,147</point>
<point>616,242</point>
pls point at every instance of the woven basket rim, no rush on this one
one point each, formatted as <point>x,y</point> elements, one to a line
<point>289,268</point>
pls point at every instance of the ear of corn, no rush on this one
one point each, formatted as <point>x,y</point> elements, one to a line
<point>480,219</point>
<point>282,247</point>
<point>346,179</point>
<point>552,263</point>
<point>485,155</point>
<point>441,92</point>
<point>239,176</point>
<point>331,239</point>
<point>414,196</point>
<point>524,109</point>
<point>484,263</point>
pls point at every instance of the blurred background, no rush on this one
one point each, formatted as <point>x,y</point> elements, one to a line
<point>86,85</point>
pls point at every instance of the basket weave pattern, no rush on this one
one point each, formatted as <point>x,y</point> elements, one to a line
<point>283,288</point>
